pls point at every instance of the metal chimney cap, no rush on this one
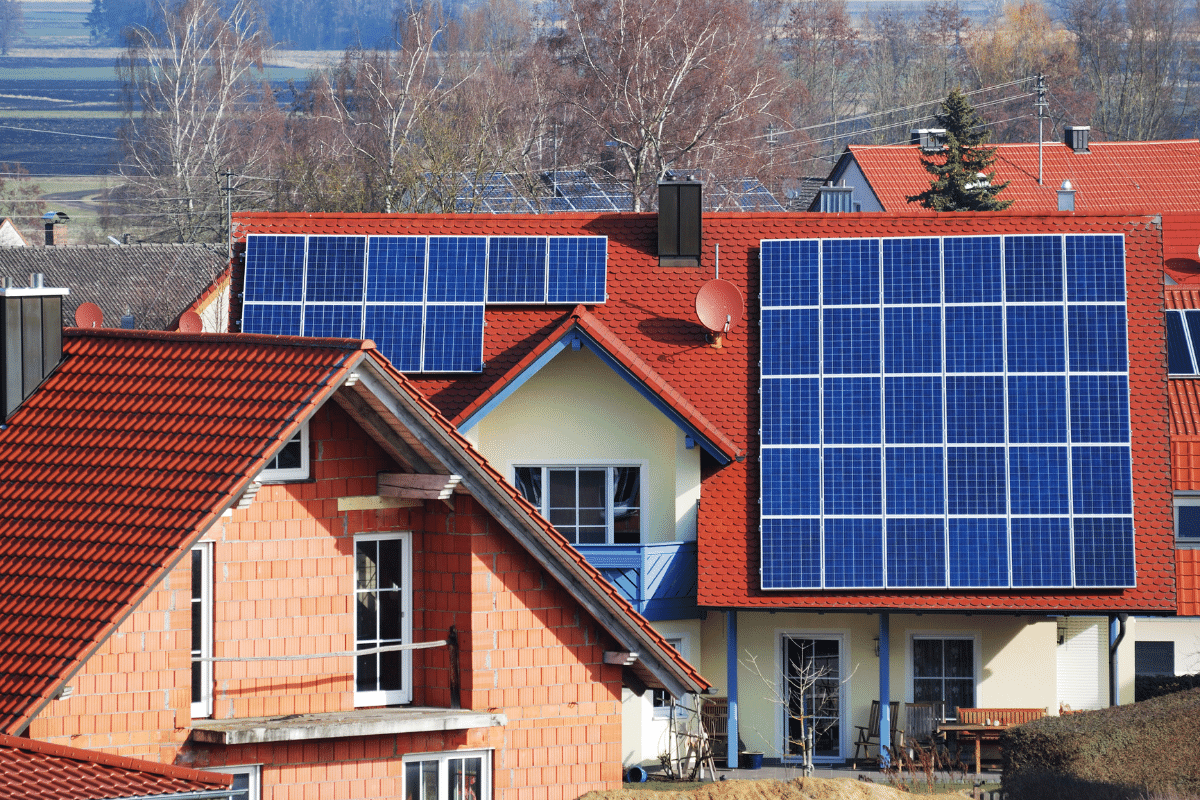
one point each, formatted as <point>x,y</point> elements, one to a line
<point>1066,186</point>
<point>53,217</point>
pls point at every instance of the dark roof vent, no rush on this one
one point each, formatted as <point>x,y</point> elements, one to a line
<point>931,140</point>
<point>679,222</point>
<point>31,319</point>
<point>1076,137</point>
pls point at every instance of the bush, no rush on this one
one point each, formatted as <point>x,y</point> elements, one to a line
<point>1121,753</point>
<point>1149,686</point>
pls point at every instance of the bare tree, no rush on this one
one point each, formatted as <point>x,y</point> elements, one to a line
<point>1135,57</point>
<point>194,111</point>
<point>827,58</point>
<point>665,85</point>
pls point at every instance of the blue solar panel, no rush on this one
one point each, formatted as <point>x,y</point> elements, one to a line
<point>577,266</point>
<point>456,269</point>
<point>396,269</point>
<point>916,553</point>
<point>379,287</point>
<point>453,338</point>
<point>335,269</point>
<point>517,269</point>
<point>274,269</point>
<point>336,321</point>
<point>396,331</point>
<point>972,396</point>
<point>275,319</point>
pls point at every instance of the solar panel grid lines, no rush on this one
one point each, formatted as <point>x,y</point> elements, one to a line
<point>420,298</point>
<point>983,404</point>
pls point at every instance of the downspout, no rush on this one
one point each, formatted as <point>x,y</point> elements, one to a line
<point>731,678</point>
<point>1114,686</point>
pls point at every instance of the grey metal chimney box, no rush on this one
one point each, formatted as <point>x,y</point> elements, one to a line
<point>1076,137</point>
<point>679,223</point>
<point>31,319</point>
<point>931,140</point>
<point>1066,197</point>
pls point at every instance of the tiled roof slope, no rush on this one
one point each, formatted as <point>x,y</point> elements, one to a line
<point>1133,177</point>
<point>1181,247</point>
<point>111,469</point>
<point>651,310</point>
<point>32,770</point>
<point>154,282</point>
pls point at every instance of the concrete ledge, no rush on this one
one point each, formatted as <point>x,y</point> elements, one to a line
<point>342,724</point>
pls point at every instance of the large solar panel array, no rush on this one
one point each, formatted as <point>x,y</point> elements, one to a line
<point>420,298</point>
<point>945,413</point>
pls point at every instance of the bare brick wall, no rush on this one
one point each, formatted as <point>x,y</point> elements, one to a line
<point>283,583</point>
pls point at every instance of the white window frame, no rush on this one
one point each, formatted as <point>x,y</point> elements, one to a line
<point>1185,499</point>
<point>976,659</point>
<point>643,480</point>
<point>680,643</point>
<point>445,791</point>
<point>385,697</point>
<point>202,706</point>
<point>842,636</point>
<point>253,771</point>
<point>272,473</point>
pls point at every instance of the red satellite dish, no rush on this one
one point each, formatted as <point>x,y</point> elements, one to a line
<point>190,322</point>
<point>719,307</point>
<point>89,315</point>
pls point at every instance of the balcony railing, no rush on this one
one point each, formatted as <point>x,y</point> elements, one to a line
<point>658,579</point>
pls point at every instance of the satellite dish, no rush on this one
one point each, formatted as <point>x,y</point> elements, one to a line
<point>190,322</point>
<point>89,315</point>
<point>719,307</point>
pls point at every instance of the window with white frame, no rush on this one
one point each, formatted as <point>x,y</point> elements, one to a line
<point>943,669</point>
<point>1187,521</point>
<point>661,698</point>
<point>462,775</point>
<point>202,681</point>
<point>600,504</point>
<point>290,463</point>
<point>247,781</point>
<point>383,618</point>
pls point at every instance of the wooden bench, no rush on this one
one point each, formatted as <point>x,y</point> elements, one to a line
<point>1007,717</point>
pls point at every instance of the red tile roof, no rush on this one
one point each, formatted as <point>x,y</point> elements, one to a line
<point>126,454</point>
<point>651,310</point>
<point>116,464</point>
<point>32,770</point>
<point>1130,177</point>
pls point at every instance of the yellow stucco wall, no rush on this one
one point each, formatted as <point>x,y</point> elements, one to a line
<point>576,410</point>
<point>1015,665</point>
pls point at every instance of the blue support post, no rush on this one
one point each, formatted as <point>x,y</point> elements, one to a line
<point>885,691</point>
<point>731,678</point>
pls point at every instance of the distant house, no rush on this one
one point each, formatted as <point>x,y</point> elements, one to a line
<point>1105,177</point>
<point>144,286</point>
<point>273,557</point>
<point>10,236</point>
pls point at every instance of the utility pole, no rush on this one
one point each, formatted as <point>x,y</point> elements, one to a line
<point>1040,104</point>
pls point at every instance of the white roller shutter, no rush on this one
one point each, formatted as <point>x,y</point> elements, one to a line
<point>1083,663</point>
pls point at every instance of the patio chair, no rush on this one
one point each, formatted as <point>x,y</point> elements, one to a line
<point>714,718</point>
<point>868,736</point>
<point>921,721</point>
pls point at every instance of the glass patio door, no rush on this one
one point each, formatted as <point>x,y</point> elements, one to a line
<point>812,681</point>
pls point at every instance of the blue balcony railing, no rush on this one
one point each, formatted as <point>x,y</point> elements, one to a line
<point>659,579</point>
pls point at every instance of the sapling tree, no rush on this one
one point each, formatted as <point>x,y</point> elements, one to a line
<point>959,171</point>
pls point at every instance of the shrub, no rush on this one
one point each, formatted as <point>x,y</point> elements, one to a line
<point>1120,753</point>
<point>1148,686</point>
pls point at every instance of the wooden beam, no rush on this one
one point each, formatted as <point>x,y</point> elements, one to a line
<point>422,486</point>
<point>374,502</point>
<point>376,426</point>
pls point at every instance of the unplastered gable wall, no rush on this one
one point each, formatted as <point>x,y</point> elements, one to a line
<point>577,411</point>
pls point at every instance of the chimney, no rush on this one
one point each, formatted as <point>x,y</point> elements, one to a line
<point>31,318</point>
<point>931,140</point>
<point>679,222</point>
<point>835,199</point>
<point>1076,137</point>
<point>1066,197</point>
<point>52,218</point>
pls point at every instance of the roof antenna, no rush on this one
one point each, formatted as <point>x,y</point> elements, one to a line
<point>717,267</point>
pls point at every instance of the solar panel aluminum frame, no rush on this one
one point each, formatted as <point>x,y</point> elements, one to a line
<point>1077,519</point>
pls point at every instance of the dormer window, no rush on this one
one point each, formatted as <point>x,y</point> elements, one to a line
<point>290,463</point>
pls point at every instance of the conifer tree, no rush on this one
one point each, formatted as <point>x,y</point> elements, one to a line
<point>956,183</point>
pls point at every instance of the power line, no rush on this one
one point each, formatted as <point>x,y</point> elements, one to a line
<point>60,133</point>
